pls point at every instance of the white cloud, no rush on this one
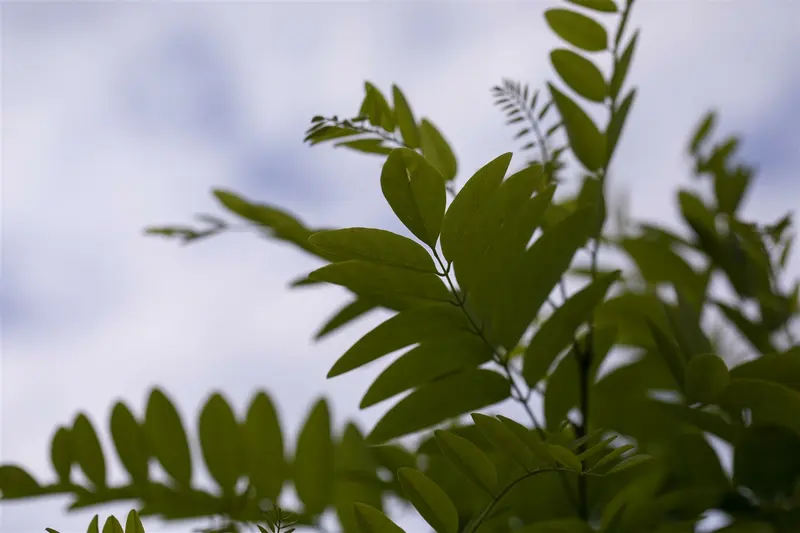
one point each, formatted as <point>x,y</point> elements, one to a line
<point>110,313</point>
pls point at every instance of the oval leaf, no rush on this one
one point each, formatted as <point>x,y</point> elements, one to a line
<point>221,442</point>
<point>585,140</point>
<point>578,30</point>
<point>468,459</point>
<point>87,450</point>
<point>313,462</point>
<point>61,455</point>
<point>435,402</point>
<point>580,74</point>
<point>376,245</point>
<point>371,520</point>
<point>363,277</point>
<point>263,442</point>
<point>167,438</point>
<point>130,442</point>
<point>603,6</point>
<point>405,118</point>
<point>416,193</point>
<point>429,500</point>
<point>436,149</point>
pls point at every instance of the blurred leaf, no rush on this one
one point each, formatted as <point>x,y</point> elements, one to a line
<point>416,193</point>
<point>406,328</point>
<point>621,66</point>
<point>702,131</point>
<point>405,119</point>
<point>133,524</point>
<point>367,146</point>
<point>131,443</point>
<point>221,442</point>
<point>585,140</point>
<point>430,501</point>
<point>769,402</point>
<point>565,457</point>
<point>313,465</point>
<point>363,277</point>
<point>376,245</point>
<point>15,483</point>
<point>263,444</point>
<point>112,525</point>
<point>706,377</point>
<point>436,150</point>
<point>427,362</point>
<point>344,315</point>
<point>670,352</point>
<point>604,6</point>
<point>766,461</point>
<point>580,74</point>
<point>356,478</point>
<point>468,459</point>
<point>617,122</point>
<point>658,263</point>
<point>166,438</point>
<point>371,520</point>
<point>578,30</point>
<point>61,454</point>
<point>782,368</point>
<point>505,440</point>
<point>377,108</point>
<point>435,402</point>
<point>88,452</point>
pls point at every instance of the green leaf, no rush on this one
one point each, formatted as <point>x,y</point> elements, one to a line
<point>783,368</point>
<point>670,352</point>
<point>436,149</point>
<point>367,146</point>
<point>166,438</point>
<point>221,442</point>
<point>405,119</point>
<point>94,525</point>
<point>313,463</point>
<point>404,329</point>
<point>505,440</point>
<point>378,110</point>
<point>416,193</point>
<point>580,74</point>
<point>467,205</point>
<point>61,454</point>
<point>376,245</point>
<point>630,462</point>
<point>346,314</point>
<point>17,483</point>
<point>435,402</point>
<point>133,524</point>
<point>621,66</point>
<point>533,441</point>
<point>130,441</point>
<point>612,455</point>
<point>112,525</point>
<point>558,331</point>
<point>578,30</point>
<point>585,140</point>
<point>603,6</point>
<point>685,322</point>
<point>371,520</point>
<point>429,500</point>
<point>549,257</point>
<point>468,459</point>
<point>364,277</point>
<point>427,362</point>
<point>561,525</point>
<point>702,131</point>
<point>766,461</point>
<point>565,457</point>
<point>703,420</point>
<point>356,480</point>
<point>706,377</point>
<point>327,133</point>
<point>769,403</point>
<point>263,442</point>
<point>591,195</point>
<point>617,122</point>
<point>88,452</point>
<point>659,263</point>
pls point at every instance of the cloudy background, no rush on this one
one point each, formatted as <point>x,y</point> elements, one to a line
<point>115,117</point>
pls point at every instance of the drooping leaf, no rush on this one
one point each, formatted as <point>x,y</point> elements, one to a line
<point>427,362</point>
<point>405,118</point>
<point>577,29</point>
<point>376,245</point>
<point>221,442</point>
<point>429,500</point>
<point>468,459</point>
<point>436,149</point>
<point>87,450</point>
<point>415,191</point>
<point>468,203</point>
<point>371,520</point>
<point>404,329</point>
<point>440,400</point>
<point>166,438</point>
<point>263,443</point>
<point>313,464</point>
<point>504,440</point>
<point>558,331</point>
<point>131,442</point>
<point>345,315</point>
<point>364,277</point>
<point>61,454</point>
<point>580,74</point>
<point>586,141</point>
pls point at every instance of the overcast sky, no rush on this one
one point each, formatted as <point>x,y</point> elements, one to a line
<point>115,117</point>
